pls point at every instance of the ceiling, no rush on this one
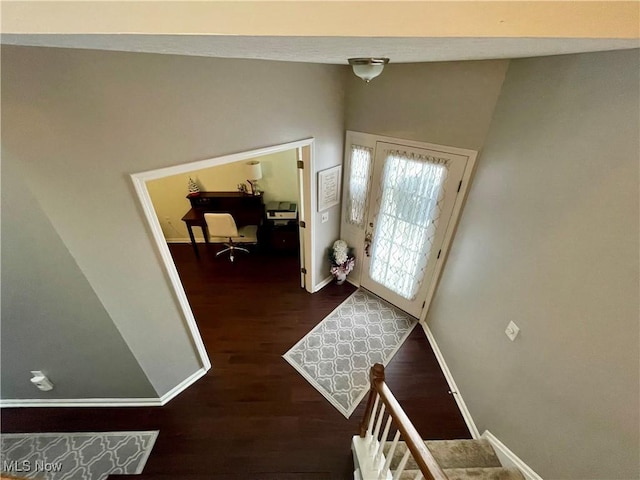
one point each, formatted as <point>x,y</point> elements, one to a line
<point>330,50</point>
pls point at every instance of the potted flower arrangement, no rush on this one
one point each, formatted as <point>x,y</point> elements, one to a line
<point>342,260</point>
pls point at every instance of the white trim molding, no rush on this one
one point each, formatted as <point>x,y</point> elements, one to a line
<point>464,161</point>
<point>184,240</point>
<point>306,211</point>
<point>140,184</point>
<point>221,160</point>
<point>106,402</point>
<point>508,458</point>
<point>178,389</point>
<point>329,279</point>
<point>322,284</point>
<point>455,391</point>
<point>81,402</point>
<point>355,283</point>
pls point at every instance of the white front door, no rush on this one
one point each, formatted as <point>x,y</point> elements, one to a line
<point>410,205</point>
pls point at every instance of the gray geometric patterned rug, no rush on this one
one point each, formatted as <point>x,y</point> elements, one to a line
<point>336,356</point>
<point>75,456</point>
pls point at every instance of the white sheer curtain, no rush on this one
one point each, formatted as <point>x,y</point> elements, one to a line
<point>411,193</point>
<point>360,171</point>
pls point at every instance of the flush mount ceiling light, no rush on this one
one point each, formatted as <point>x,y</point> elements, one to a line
<point>368,68</point>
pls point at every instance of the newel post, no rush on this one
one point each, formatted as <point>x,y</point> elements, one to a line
<point>376,377</point>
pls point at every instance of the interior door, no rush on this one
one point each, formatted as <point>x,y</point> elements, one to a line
<point>411,201</point>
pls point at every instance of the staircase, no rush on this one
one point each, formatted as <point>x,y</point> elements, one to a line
<point>407,456</point>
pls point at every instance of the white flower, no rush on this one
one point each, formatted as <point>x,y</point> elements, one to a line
<point>340,251</point>
<point>339,245</point>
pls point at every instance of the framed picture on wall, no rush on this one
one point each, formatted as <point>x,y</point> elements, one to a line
<point>329,187</point>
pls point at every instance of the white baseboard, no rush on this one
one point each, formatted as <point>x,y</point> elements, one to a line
<point>80,402</point>
<point>508,458</point>
<point>181,387</point>
<point>452,384</point>
<point>323,283</point>
<point>329,279</point>
<point>353,282</point>
<point>184,240</point>
<point>105,402</point>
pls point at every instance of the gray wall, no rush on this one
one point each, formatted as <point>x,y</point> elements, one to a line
<point>51,318</point>
<point>448,103</point>
<point>549,239</point>
<point>78,122</point>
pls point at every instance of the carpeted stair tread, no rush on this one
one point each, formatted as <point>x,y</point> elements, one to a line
<point>501,473</point>
<point>463,453</point>
<point>451,454</point>
<point>494,473</point>
<point>408,474</point>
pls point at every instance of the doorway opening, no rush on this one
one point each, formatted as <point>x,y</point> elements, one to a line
<point>164,230</point>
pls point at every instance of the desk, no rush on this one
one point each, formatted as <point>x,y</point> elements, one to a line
<point>245,210</point>
<point>193,218</point>
<point>284,237</point>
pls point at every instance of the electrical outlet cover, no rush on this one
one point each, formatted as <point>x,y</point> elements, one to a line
<point>512,331</point>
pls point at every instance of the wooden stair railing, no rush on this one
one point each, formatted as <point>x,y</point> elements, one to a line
<point>380,402</point>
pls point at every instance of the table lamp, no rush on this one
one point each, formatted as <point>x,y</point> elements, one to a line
<point>254,172</point>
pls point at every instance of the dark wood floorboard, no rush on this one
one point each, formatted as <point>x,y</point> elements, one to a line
<point>253,416</point>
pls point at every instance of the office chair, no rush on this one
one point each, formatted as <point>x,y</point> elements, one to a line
<point>222,229</point>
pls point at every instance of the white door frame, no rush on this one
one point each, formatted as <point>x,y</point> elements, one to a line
<point>446,202</point>
<point>139,182</point>
<point>370,140</point>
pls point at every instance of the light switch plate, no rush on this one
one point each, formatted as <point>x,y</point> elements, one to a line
<point>325,217</point>
<point>512,331</point>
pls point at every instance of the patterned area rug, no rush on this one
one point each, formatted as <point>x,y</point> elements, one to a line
<point>75,456</point>
<point>336,356</point>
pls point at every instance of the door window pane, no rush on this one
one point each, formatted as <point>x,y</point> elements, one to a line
<point>360,171</point>
<point>411,193</point>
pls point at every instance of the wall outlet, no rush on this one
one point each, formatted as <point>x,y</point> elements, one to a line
<point>41,381</point>
<point>512,331</point>
<point>325,217</point>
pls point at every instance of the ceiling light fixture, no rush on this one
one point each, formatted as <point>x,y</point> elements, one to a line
<point>368,68</point>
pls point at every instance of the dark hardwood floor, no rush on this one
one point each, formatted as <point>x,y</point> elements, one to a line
<point>253,416</point>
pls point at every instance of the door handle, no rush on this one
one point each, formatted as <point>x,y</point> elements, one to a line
<point>368,239</point>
